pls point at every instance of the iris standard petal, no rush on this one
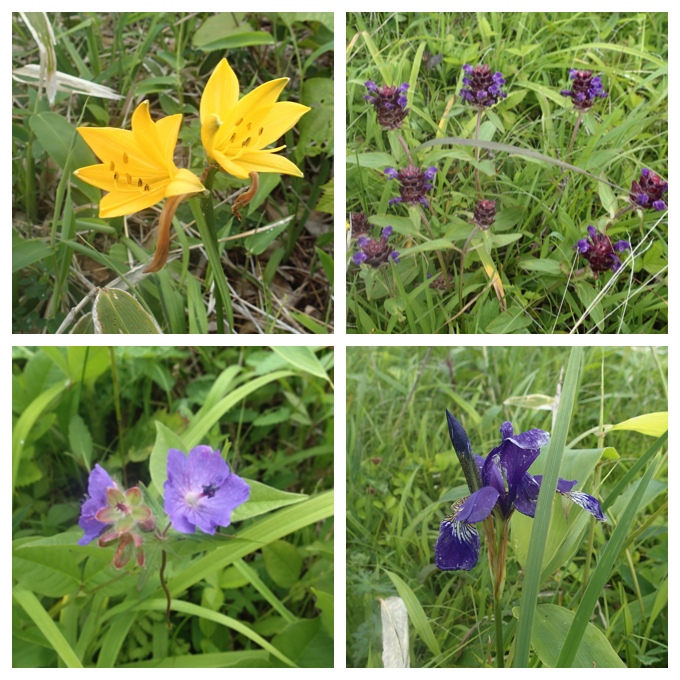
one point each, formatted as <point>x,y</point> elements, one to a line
<point>478,506</point>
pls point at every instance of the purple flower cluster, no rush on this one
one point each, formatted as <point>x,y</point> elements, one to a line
<point>585,89</point>
<point>375,252</point>
<point>413,183</point>
<point>502,482</point>
<point>648,191</point>
<point>485,213</point>
<point>482,88</point>
<point>359,225</point>
<point>389,102</point>
<point>599,251</point>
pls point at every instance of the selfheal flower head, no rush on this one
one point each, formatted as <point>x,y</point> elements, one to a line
<point>236,131</point>
<point>389,103</point>
<point>485,213</point>
<point>200,490</point>
<point>506,486</point>
<point>360,225</point>
<point>413,183</point>
<point>598,249</point>
<point>481,87</point>
<point>375,252</point>
<point>648,191</point>
<point>585,89</point>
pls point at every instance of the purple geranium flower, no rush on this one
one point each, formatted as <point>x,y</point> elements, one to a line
<point>506,486</point>
<point>97,484</point>
<point>599,251</point>
<point>201,491</point>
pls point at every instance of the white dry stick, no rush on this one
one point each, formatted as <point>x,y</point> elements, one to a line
<point>395,633</point>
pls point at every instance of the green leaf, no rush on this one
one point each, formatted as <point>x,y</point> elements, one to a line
<point>257,243</point>
<point>306,643</point>
<point>26,252</point>
<point>416,614</point>
<point>371,159</point>
<point>316,126</point>
<point>80,440</point>
<point>283,562</point>
<point>264,499</point>
<point>652,424</point>
<point>548,267</point>
<point>158,461</point>
<point>302,358</point>
<point>32,606</point>
<point>548,638</point>
<point>326,604</point>
<point>325,18</point>
<point>116,311</point>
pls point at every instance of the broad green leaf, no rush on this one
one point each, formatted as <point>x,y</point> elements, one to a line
<point>547,267</point>
<point>158,461</point>
<point>416,613</point>
<point>257,243</point>
<point>548,635</point>
<point>316,126</point>
<point>371,159</point>
<point>325,602</point>
<point>80,440</point>
<point>264,499</point>
<point>653,424</point>
<point>306,643</point>
<point>26,252</point>
<point>254,658</point>
<point>116,311</point>
<point>47,571</point>
<point>325,18</point>
<point>302,358</point>
<point>283,562</point>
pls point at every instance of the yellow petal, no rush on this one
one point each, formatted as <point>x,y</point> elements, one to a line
<point>209,132</point>
<point>229,166</point>
<point>184,182</point>
<point>98,176</point>
<point>117,203</point>
<point>281,118</point>
<point>167,130</point>
<point>247,108</point>
<point>147,139</point>
<point>221,91</point>
<point>263,161</point>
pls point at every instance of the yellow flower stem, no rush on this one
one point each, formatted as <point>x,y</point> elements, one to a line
<point>205,221</point>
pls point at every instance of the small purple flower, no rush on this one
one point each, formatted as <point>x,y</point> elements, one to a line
<point>389,102</point>
<point>413,183</point>
<point>585,89</point>
<point>598,249</point>
<point>482,88</point>
<point>201,491</point>
<point>485,213</point>
<point>505,484</point>
<point>648,191</point>
<point>97,485</point>
<point>375,252</point>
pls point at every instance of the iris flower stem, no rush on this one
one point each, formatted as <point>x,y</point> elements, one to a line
<point>501,541</point>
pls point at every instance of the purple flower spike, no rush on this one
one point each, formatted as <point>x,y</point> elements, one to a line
<point>376,252</point>
<point>201,491</point>
<point>648,191</point>
<point>506,485</point>
<point>482,88</point>
<point>413,183</point>
<point>599,251</point>
<point>585,89</point>
<point>485,214</point>
<point>389,102</point>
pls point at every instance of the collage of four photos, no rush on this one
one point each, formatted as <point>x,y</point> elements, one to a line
<point>502,497</point>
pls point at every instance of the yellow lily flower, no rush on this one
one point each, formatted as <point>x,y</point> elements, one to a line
<point>234,133</point>
<point>137,167</point>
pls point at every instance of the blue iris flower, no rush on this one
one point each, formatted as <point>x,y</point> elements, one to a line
<point>506,486</point>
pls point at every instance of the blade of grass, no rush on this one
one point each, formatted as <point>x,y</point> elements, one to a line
<point>32,606</point>
<point>601,573</point>
<point>539,533</point>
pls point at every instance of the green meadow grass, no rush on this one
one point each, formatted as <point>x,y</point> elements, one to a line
<point>403,475</point>
<point>271,273</point>
<point>544,208</point>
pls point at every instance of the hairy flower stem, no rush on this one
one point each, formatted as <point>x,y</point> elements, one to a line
<point>404,146</point>
<point>577,125</point>
<point>165,588</point>
<point>437,252</point>
<point>477,182</point>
